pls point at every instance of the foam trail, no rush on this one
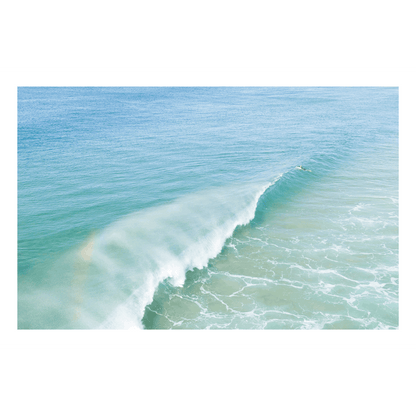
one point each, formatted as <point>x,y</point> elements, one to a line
<point>141,250</point>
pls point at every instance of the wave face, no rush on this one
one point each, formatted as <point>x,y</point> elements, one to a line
<point>108,281</point>
<point>183,208</point>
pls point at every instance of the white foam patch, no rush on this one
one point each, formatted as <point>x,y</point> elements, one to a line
<point>145,248</point>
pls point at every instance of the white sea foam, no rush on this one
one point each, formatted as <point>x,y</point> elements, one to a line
<point>147,247</point>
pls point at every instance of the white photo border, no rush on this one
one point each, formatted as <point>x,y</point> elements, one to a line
<point>403,78</point>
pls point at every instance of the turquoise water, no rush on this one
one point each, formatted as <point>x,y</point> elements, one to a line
<point>184,208</point>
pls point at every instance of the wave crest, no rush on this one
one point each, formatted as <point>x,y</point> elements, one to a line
<point>109,279</point>
<point>147,247</point>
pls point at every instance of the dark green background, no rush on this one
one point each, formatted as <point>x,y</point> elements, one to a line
<point>179,33</point>
<point>207,33</point>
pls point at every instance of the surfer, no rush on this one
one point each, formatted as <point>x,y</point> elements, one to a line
<point>301,167</point>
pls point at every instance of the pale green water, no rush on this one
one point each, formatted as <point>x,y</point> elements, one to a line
<point>188,201</point>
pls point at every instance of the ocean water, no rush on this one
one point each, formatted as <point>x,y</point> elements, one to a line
<point>183,208</point>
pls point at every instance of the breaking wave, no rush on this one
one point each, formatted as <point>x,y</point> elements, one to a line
<point>108,281</point>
